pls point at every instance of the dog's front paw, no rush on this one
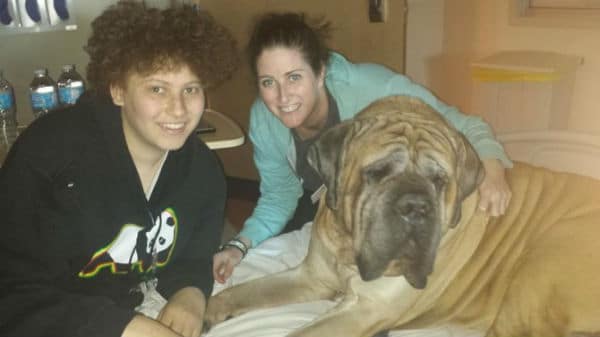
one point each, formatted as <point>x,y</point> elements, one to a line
<point>218,310</point>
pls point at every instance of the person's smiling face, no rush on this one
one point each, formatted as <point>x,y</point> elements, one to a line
<point>159,111</point>
<point>291,89</point>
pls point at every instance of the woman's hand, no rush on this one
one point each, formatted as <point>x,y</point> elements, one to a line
<point>494,192</point>
<point>184,312</point>
<point>224,262</point>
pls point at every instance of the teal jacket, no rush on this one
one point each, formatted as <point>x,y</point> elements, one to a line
<point>353,86</point>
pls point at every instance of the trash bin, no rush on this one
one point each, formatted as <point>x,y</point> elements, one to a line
<point>524,90</point>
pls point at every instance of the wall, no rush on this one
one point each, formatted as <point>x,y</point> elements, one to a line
<point>424,36</point>
<point>476,28</point>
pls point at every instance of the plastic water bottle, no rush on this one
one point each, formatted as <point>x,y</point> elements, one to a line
<point>43,93</point>
<point>8,110</point>
<point>70,85</point>
<point>8,115</point>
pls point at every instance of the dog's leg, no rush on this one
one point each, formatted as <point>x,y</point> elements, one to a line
<point>347,322</point>
<point>291,286</point>
<point>354,317</point>
<point>367,308</point>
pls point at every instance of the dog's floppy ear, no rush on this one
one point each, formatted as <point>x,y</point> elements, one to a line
<point>325,154</point>
<point>470,173</point>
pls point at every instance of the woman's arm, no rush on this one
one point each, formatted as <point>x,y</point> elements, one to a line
<point>280,188</point>
<point>279,192</point>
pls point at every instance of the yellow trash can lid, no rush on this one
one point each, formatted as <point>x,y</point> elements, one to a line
<point>524,66</point>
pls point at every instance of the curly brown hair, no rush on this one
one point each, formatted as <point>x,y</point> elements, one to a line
<point>130,37</point>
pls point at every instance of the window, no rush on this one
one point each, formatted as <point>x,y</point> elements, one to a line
<point>564,4</point>
<point>569,13</point>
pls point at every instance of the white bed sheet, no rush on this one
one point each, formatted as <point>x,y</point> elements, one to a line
<point>283,252</point>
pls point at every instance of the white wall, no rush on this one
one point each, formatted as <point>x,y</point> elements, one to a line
<point>424,36</point>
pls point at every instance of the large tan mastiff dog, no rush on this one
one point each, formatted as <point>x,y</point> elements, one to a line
<point>398,240</point>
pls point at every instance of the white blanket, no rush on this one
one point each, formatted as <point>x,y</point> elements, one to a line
<point>279,253</point>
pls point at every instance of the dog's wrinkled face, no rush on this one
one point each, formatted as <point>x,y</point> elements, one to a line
<point>396,176</point>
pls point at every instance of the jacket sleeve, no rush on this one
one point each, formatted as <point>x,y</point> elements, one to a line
<point>280,188</point>
<point>32,300</point>
<point>193,265</point>
<point>477,131</point>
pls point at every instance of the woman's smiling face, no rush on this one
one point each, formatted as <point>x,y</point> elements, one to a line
<point>290,88</point>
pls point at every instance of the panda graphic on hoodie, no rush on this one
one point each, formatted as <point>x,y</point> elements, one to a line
<point>137,247</point>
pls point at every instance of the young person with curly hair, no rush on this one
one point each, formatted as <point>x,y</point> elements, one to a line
<point>112,209</point>
<point>303,89</point>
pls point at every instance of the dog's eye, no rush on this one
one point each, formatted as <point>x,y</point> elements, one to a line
<point>375,172</point>
<point>439,180</point>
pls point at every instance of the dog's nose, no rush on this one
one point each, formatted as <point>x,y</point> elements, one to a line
<point>414,207</point>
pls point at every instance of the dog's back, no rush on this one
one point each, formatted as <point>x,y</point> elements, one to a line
<point>536,270</point>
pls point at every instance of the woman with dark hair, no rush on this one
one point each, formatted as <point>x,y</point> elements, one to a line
<point>304,89</point>
<point>113,208</point>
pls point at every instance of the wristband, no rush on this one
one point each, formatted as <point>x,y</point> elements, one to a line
<point>235,243</point>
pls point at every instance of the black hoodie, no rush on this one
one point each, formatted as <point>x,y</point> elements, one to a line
<point>76,226</point>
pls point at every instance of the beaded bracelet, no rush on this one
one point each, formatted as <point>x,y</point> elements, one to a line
<point>235,243</point>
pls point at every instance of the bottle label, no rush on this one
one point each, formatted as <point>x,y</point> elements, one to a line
<point>6,100</point>
<point>44,99</point>
<point>68,95</point>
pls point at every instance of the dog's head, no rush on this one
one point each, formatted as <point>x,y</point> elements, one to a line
<point>396,176</point>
